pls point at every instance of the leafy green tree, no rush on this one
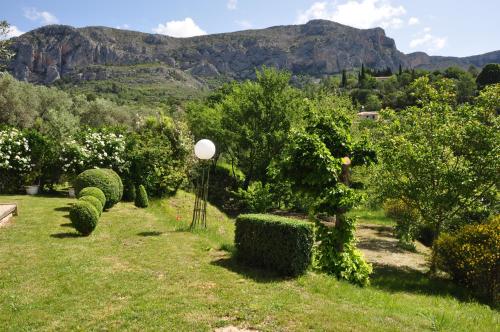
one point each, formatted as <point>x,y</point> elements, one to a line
<point>205,121</point>
<point>465,84</point>
<point>5,52</point>
<point>473,71</point>
<point>256,119</point>
<point>313,163</point>
<point>439,158</point>
<point>160,155</point>
<point>489,75</point>
<point>373,103</point>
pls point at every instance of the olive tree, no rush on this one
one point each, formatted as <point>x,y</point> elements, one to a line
<point>5,52</point>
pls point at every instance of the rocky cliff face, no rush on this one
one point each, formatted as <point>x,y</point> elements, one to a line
<point>316,48</point>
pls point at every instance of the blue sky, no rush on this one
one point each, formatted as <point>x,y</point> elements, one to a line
<point>438,27</point>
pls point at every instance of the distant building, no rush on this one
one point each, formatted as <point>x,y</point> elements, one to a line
<point>368,115</point>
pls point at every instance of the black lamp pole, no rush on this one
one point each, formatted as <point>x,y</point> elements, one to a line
<point>200,202</point>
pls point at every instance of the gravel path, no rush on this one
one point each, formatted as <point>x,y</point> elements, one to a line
<point>379,246</point>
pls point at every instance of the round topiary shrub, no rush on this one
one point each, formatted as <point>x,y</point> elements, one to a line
<point>84,217</point>
<point>94,201</point>
<point>129,193</point>
<point>106,180</point>
<point>118,180</point>
<point>141,199</point>
<point>93,191</point>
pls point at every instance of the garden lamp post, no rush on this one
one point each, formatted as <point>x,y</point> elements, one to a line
<point>204,150</point>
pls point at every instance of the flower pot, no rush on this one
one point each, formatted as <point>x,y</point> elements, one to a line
<point>32,190</point>
<point>71,192</point>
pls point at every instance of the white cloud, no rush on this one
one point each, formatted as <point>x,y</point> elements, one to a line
<point>41,16</point>
<point>427,29</point>
<point>123,26</point>
<point>394,23</point>
<point>428,42</point>
<point>413,21</point>
<point>184,28</point>
<point>13,32</point>
<point>244,24</point>
<point>231,4</point>
<point>360,14</point>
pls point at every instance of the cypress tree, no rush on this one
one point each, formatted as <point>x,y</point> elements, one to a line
<point>344,79</point>
<point>141,199</point>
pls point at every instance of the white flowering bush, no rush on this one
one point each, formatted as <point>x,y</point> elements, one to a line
<point>74,157</point>
<point>106,150</point>
<point>93,150</point>
<point>15,159</point>
<point>14,151</point>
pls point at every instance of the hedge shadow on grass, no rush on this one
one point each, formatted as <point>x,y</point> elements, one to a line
<point>256,274</point>
<point>68,235</point>
<point>393,279</point>
<point>63,208</point>
<point>150,233</point>
<point>68,224</point>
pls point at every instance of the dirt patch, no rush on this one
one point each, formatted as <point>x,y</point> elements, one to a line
<point>380,246</point>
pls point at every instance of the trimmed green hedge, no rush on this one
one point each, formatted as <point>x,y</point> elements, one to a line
<point>106,180</point>
<point>94,201</point>
<point>141,200</point>
<point>276,243</point>
<point>84,217</point>
<point>93,191</point>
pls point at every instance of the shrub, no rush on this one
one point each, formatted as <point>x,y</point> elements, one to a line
<point>257,198</point>
<point>129,192</point>
<point>222,183</point>
<point>160,155</point>
<point>117,179</point>
<point>93,191</point>
<point>405,217</point>
<point>141,200</point>
<point>94,201</point>
<point>471,256</point>
<point>103,179</point>
<point>84,217</point>
<point>347,263</point>
<point>273,242</point>
<point>426,234</point>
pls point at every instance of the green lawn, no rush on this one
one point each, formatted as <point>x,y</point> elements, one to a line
<point>364,214</point>
<point>141,270</point>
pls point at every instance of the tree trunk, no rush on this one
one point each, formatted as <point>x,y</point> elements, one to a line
<point>433,267</point>
<point>340,216</point>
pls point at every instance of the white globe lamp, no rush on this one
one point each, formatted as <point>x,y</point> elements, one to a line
<point>204,149</point>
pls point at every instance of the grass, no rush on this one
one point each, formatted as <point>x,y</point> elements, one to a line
<point>141,270</point>
<point>364,214</point>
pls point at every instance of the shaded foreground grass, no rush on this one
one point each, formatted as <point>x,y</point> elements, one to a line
<point>141,270</point>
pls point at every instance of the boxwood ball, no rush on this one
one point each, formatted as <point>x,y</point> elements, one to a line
<point>105,179</point>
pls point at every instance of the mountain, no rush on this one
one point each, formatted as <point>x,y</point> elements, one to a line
<point>317,48</point>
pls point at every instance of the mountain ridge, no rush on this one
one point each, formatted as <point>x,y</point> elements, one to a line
<point>317,48</point>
